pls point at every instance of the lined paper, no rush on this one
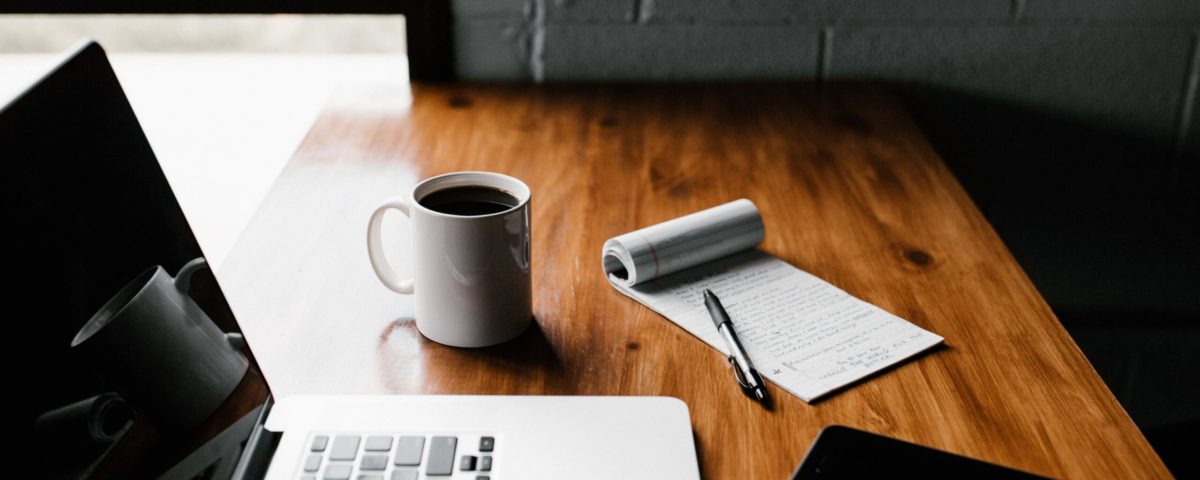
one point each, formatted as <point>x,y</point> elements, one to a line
<point>802,333</point>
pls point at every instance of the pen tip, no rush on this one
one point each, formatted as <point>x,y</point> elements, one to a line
<point>707,293</point>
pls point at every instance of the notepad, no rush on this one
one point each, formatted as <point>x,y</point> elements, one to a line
<point>802,333</point>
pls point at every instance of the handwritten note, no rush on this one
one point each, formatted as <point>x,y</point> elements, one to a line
<point>804,334</point>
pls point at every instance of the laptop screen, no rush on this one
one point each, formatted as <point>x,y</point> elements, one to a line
<point>128,361</point>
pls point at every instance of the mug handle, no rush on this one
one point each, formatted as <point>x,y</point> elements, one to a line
<point>375,246</point>
<point>183,283</point>
<point>183,279</point>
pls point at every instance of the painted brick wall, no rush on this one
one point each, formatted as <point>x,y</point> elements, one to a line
<point>1119,64</point>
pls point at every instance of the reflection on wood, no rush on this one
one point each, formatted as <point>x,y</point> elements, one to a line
<point>145,453</point>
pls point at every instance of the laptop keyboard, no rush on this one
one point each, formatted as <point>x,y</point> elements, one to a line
<point>345,456</point>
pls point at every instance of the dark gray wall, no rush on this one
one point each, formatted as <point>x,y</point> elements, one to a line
<point>1126,64</point>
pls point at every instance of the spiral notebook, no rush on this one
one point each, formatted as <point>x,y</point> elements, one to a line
<point>802,333</point>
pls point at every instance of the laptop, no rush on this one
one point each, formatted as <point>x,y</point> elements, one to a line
<point>130,364</point>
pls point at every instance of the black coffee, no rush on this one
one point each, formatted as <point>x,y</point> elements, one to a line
<point>469,201</point>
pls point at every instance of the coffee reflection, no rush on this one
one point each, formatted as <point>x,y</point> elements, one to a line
<point>161,351</point>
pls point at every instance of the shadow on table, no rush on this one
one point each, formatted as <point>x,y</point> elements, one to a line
<point>411,363</point>
<point>1105,223</point>
<point>530,350</point>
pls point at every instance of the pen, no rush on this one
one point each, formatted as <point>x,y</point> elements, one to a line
<point>747,377</point>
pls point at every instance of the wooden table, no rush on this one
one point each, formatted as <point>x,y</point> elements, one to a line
<point>850,191</point>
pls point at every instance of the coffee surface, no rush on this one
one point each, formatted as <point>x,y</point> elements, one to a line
<point>469,201</point>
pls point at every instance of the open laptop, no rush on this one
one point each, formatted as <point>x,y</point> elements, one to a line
<point>130,364</point>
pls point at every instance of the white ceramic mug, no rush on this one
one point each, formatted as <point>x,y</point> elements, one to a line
<point>471,277</point>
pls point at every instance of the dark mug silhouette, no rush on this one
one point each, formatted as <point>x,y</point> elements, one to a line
<point>161,352</point>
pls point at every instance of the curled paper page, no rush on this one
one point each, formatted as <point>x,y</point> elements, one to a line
<point>82,431</point>
<point>684,242</point>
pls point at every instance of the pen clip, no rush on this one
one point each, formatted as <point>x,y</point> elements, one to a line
<point>738,375</point>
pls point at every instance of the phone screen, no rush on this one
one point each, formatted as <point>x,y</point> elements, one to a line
<point>844,452</point>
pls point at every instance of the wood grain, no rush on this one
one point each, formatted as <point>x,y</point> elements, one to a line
<point>849,189</point>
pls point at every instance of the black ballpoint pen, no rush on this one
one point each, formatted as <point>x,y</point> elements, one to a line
<point>747,377</point>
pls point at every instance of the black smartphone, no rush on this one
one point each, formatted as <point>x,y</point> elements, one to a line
<point>844,452</point>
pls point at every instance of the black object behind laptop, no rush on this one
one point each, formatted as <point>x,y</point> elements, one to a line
<point>844,452</point>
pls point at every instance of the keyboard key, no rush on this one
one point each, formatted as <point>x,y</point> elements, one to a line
<point>404,475</point>
<point>373,462</point>
<point>482,477</point>
<point>338,472</point>
<point>441,456</point>
<point>370,477</point>
<point>486,444</point>
<point>467,463</point>
<point>378,444</point>
<point>319,442</point>
<point>409,450</point>
<point>345,447</point>
<point>313,463</point>
<point>485,463</point>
